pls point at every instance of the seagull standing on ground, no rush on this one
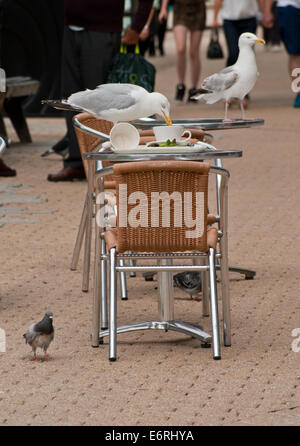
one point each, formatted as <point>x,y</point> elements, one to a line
<point>116,102</point>
<point>235,81</point>
<point>40,334</point>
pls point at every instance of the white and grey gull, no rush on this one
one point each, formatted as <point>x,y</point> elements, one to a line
<point>235,81</point>
<point>116,103</point>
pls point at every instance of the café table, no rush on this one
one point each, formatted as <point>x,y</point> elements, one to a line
<point>146,124</point>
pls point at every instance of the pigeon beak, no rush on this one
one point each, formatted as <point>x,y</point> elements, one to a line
<point>260,41</point>
<point>167,119</point>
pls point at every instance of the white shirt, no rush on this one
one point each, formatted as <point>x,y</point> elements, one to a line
<point>284,3</point>
<point>239,9</point>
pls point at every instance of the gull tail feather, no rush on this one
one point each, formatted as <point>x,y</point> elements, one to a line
<point>60,104</point>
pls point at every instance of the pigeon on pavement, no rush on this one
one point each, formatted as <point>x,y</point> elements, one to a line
<point>189,281</point>
<point>40,334</point>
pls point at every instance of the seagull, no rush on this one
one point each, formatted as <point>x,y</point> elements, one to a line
<point>235,81</point>
<point>189,281</point>
<point>116,102</point>
<point>40,335</point>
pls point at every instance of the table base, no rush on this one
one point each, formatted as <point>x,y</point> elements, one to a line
<point>195,331</point>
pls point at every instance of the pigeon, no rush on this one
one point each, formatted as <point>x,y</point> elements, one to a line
<point>116,102</point>
<point>235,81</point>
<point>188,281</point>
<point>40,335</point>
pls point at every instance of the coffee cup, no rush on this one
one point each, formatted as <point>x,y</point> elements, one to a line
<point>165,132</point>
<point>124,136</point>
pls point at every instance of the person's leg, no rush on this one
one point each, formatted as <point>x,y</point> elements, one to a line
<point>180,34</point>
<point>95,58</point>
<point>232,37</point>
<point>289,23</point>
<point>195,63</point>
<point>70,83</point>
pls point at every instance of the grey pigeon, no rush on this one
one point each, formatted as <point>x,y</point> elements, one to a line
<point>40,334</point>
<point>188,281</point>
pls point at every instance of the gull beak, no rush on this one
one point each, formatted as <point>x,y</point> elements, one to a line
<point>260,41</point>
<point>167,119</point>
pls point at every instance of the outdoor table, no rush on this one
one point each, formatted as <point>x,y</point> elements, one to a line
<point>166,316</point>
<point>203,124</point>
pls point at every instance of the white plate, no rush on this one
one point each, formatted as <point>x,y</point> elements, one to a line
<point>199,147</point>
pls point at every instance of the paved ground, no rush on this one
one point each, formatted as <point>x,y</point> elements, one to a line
<point>159,378</point>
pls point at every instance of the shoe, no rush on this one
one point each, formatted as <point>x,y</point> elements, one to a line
<point>6,171</point>
<point>67,174</point>
<point>297,101</point>
<point>180,90</point>
<point>192,92</point>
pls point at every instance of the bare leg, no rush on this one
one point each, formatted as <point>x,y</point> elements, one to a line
<point>180,34</point>
<point>195,62</point>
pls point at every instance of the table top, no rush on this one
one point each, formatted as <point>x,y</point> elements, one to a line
<point>109,155</point>
<point>203,124</point>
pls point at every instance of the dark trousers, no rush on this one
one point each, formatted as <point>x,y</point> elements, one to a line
<point>86,60</point>
<point>272,35</point>
<point>233,29</point>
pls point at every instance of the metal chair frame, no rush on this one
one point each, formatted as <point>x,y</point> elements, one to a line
<point>165,269</point>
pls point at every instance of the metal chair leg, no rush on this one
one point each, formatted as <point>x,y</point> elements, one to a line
<point>79,238</point>
<point>225,292</point>
<point>123,282</point>
<point>205,292</point>
<point>214,305</point>
<point>132,262</point>
<point>88,232</point>
<point>113,306</point>
<point>97,294</point>
<point>103,288</point>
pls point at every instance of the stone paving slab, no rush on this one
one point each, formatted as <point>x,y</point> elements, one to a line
<point>162,379</point>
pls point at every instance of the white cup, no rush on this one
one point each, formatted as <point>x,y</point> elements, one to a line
<point>165,132</point>
<point>124,136</point>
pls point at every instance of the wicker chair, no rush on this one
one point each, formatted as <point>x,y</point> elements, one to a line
<point>164,240</point>
<point>89,142</point>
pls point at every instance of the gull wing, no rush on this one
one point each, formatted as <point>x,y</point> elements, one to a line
<point>221,81</point>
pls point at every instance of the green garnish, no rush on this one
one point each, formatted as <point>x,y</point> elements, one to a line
<point>169,143</point>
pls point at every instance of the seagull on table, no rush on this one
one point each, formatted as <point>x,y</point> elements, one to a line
<point>40,334</point>
<point>235,81</point>
<point>116,102</point>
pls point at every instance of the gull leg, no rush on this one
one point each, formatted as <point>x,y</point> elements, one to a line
<point>226,111</point>
<point>242,109</point>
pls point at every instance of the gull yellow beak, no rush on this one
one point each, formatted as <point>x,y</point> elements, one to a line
<point>167,119</point>
<point>260,41</point>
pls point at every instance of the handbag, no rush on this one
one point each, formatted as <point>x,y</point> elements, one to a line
<point>132,68</point>
<point>214,50</point>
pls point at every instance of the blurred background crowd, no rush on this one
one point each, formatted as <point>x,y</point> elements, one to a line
<point>68,46</point>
